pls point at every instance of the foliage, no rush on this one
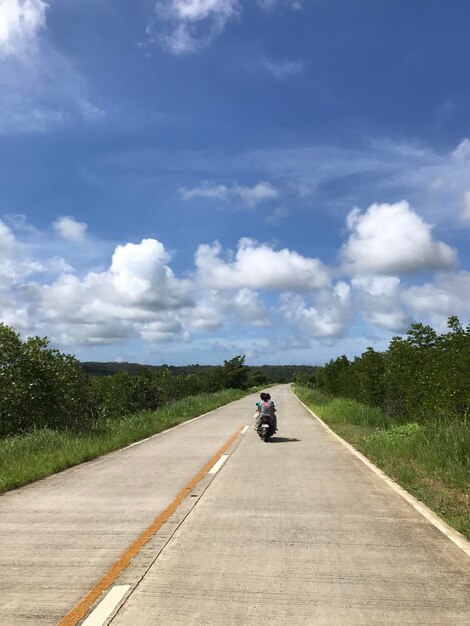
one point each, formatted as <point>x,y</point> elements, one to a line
<point>39,453</point>
<point>41,387</point>
<point>258,375</point>
<point>421,377</point>
<point>431,459</point>
<point>235,373</point>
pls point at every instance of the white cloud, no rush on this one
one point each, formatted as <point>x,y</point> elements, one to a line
<point>282,68</point>
<point>448,295</point>
<point>465,213</point>
<point>17,267</point>
<point>462,151</point>
<point>269,5</point>
<point>139,298</point>
<point>136,294</point>
<point>203,317</point>
<point>379,299</point>
<point>250,196</point>
<point>242,307</point>
<point>257,266</point>
<point>140,274</point>
<point>163,330</point>
<point>20,23</point>
<point>329,317</point>
<point>392,239</point>
<point>248,308</point>
<point>15,263</point>
<point>184,26</point>
<point>40,88</point>
<point>68,228</point>
<point>206,190</point>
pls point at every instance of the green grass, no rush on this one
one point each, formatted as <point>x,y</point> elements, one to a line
<point>25,458</point>
<point>431,460</point>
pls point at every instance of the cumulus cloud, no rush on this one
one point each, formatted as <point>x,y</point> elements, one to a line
<point>328,318</point>
<point>20,23</point>
<point>250,196</point>
<point>392,239</point>
<point>203,317</point>
<point>242,307</point>
<point>379,299</point>
<point>15,263</point>
<point>138,289</point>
<point>163,330</point>
<point>70,229</point>
<point>184,26</point>
<point>138,297</point>
<point>258,266</point>
<point>448,295</point>
<point>17,267</point>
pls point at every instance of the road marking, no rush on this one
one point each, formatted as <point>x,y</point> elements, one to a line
<point>244,430</point>
<point>136,443</point>
<point>81,609</point>
<point>426,512</point>
<point>106,606</point>
<point>167,430</point>
<point>219,463</point>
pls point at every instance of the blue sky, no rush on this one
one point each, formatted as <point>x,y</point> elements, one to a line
<point>186,180</point>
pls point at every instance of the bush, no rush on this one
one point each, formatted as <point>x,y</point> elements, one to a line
<point>41,387</point>
<point>419,378</point>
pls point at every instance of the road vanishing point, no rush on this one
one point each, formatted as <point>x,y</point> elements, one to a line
<point>206,524</point>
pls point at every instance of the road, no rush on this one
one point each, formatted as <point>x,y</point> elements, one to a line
<point>296,531</point>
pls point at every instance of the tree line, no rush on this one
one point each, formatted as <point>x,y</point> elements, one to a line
<point>40,387</point>
<point>422,376</point>
<point>258,375</point>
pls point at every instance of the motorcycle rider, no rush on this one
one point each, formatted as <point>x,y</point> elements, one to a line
<point>266,408</point>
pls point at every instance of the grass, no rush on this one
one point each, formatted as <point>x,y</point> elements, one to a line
<point>431,460</point>
<point>28,457</point>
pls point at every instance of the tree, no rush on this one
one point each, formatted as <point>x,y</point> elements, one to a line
<point>236,373</point>
<point>41,387</point>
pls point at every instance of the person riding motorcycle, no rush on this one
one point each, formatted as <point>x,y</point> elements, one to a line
<point>266,408</point>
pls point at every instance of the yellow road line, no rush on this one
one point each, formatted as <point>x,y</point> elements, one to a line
<point>81,609</point>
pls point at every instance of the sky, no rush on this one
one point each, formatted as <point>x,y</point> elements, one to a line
<point>183,181</point>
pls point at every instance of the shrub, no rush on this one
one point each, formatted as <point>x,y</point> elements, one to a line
<point>41,387</point>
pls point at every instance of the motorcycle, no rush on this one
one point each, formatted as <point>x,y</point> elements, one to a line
<point>265,429</point>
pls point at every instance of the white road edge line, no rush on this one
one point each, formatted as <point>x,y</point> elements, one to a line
<point>426,512</point>
<point>167,430</point>
<point>244,430</point>
<point>107,605</point>
<point>136,443</point>
<point>215,468</point>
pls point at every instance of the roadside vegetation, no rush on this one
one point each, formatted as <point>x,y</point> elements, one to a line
<point>39,453</point>
<point>53,415</point>
<point>408,410</point>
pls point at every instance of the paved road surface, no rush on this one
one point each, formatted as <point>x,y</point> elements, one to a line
<point>297,531</point>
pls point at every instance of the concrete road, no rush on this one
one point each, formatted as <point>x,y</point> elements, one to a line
<point>296,531</point>
<point>58,536</point>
